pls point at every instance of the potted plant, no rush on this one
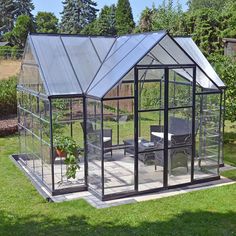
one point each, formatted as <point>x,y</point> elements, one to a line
<point>66,147</point>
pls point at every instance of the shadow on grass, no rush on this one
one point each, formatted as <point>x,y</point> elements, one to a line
<point>229,137</point>
<point>188,223</point>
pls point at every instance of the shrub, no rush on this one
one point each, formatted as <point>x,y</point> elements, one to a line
<point>7,52</point>
<point>8,101</point>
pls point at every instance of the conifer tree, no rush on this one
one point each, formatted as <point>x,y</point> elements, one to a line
<point>24,7</point>
<point>7,15</point>
<point>124,17</point>
<point>107,21</point>
<point>77,14</point>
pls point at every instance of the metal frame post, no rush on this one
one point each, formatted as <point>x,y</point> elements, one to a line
<point>166,123</point>
<point>136,128</point>
<point>193,123</point>
<point>51,144</point>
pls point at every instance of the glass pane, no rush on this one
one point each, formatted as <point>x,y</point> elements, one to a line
<point>180,127</point>
<point>56,65</point>
<point>151,129</point>
<point>94,153</point>
<point>118,141</point>
<point>180,91</point>
<point>82,53</point>
<point>209,136</point>
<point>68,143</point>
<point>179,165</point>
<point>151,170</point>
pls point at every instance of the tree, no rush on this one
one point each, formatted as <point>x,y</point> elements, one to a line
<point>202,4</point>
<point>204,27</point>
<point>226,69</point>
<point>165,17</point>
<point>106,23</point>
<point>77,14</point>
<point>7,15</point>
<point>46,22</point>
<point>18,35</point>
<point>124,17</point>
<point>146,20</point>
<point>228,20</point>
<point>24,7</point>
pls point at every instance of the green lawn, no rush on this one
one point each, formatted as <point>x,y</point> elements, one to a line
<point>24,212</point>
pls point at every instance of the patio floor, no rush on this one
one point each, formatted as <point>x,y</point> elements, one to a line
<point>118,174</point>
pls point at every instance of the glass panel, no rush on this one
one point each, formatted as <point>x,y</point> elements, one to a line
<point>180,56</point>
<point>209,136</point>
<point>151,126</point>
<point>191,48</point>
<point>151,170</point>
<point>180,91</point>
<point>121,62</point>
<point>179,165</point>
<point>151,89</point>
<point>82,53</point>
<point>94,152</point>
<point>56,65</point>
<point>102,45</point>
<point>122,90</point>
<point>118,141</point>
<point>180,127</point>
<point>68,143</point>
<point>150,143</point>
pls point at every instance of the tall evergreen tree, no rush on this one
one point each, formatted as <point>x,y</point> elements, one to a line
<point>106,23</point>
<point>7,15</point>
<point>24,7</point>
<point>124,17</point>
<point>77,14</point>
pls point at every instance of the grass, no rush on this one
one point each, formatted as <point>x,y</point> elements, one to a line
<point>231,174</point>
<point>24,212</point>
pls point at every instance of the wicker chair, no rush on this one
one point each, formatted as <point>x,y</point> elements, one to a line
<point>107,136</point>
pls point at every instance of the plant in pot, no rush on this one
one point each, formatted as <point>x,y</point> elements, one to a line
<point>66,147</point>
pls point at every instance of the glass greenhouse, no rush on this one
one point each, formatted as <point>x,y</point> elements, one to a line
<point>137,113</point>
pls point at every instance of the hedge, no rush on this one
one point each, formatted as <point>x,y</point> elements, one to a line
<point>8,100</point>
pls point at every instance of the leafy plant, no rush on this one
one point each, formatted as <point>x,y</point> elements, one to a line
<point>68,145</point>
<point>8,103</point>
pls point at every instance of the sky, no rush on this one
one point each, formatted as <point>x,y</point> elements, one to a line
<point>56,6</point>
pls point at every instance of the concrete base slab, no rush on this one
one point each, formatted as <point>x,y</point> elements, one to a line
<point>97,203</point>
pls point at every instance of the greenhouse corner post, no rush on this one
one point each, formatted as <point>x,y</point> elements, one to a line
<point>51,144</point>
<point>136,128</point>
<point>193,122</point>
<point>166,104</point>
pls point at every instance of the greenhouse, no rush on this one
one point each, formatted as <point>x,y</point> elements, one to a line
<point>118,116</point>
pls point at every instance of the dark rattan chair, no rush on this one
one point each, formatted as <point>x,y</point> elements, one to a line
<point>107,136</point>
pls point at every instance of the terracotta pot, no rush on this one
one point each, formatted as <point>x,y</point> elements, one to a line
<point>60,153</point>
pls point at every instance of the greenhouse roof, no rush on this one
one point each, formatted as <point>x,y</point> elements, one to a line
<point>76,65</point>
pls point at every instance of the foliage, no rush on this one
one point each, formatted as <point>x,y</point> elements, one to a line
<point>205,4</point>
<point>228,20</point>
<point>18,35</point>
<point>124,17</point>
<point>68,145</point>
<point>10,10</point>
<point>24,7</point>
<point>77,14</point>
<point>7,15</point>
<point>226,69</point>
<point>10,52</point>
<point>46,22</point>
<point>8,104</point>
<point>165,17</point>
<point>106,22</point>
